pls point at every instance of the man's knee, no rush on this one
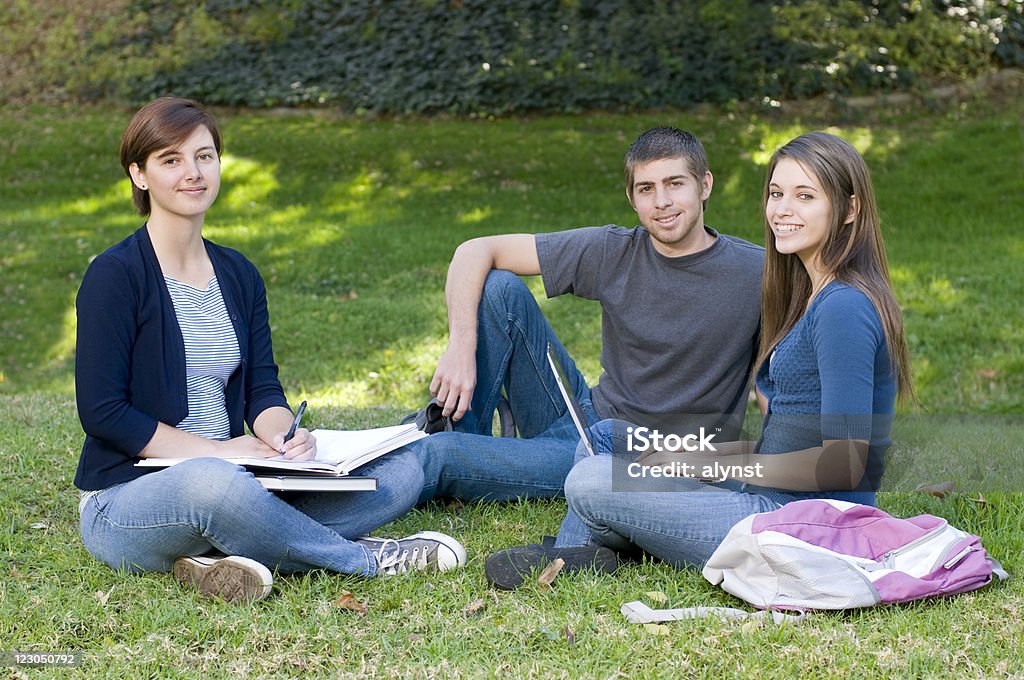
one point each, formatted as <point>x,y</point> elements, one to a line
<point>500,281</point>
<point>504,290</point>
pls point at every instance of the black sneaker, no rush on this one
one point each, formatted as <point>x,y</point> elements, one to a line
<point>509,569</point>
<point>423,551</point>
<point>429,419</point>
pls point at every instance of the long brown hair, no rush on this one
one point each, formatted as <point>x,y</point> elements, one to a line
<point>852,253</point>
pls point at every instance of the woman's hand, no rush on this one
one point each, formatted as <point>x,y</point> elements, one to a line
<point>302,446</point>
<point>245,446</point>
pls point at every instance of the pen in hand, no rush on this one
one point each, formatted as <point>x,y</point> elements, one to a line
<point>295,424</point>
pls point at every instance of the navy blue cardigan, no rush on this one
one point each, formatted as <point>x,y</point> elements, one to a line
<point>130,356</point>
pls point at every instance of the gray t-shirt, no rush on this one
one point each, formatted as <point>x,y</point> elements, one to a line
<point>679,333</point>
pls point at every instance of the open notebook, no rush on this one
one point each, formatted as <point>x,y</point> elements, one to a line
<point>349,449</point>
<point>339,452</point>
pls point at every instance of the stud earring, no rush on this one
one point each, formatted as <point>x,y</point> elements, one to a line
<point>143,187</point>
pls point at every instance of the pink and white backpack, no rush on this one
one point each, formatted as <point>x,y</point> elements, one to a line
<point>826,554</point>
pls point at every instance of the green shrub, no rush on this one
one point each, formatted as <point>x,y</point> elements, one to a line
<point>888,44</point>
<point>502,56</point>
<point>92,49</point>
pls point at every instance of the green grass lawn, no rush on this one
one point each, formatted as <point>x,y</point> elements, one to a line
<point>352,224</point>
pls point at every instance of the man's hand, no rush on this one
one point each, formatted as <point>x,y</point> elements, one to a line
<point>454,381</point>
<point>455,377</point>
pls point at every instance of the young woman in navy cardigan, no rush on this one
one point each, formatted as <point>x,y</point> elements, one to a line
<point>174,359</point>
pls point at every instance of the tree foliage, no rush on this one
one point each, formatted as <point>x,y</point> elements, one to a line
<point>498,56</point>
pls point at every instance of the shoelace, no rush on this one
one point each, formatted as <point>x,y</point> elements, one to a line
<point>400,561</point>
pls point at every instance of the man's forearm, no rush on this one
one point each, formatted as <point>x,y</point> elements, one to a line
<point>464,286</point>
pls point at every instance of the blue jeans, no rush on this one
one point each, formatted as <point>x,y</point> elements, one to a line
<point>469,463</point>
<point>681,523</point>
<point>209,504</point>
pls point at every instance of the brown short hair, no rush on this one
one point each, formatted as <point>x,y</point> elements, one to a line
<point>159,124</point>
<point>665,142</point>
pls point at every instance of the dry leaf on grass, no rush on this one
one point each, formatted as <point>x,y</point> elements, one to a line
<point>656,596</point>
<point>103,596</point>
<point>474,607</point>
<point>349,601</point>
<point>570,635</point>
<point>980,500</point>
<point>656,628</point>
<point>751,625</point>
<point>550,572</point>
<point>940,490</point>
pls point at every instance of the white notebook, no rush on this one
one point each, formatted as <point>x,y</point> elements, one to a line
<point>338,452</point>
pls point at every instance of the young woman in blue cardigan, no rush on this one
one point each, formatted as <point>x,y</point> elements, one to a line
<point>174,359</point>
<point>833,357</point>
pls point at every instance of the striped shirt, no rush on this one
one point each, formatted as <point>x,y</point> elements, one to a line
<point>211,356</point>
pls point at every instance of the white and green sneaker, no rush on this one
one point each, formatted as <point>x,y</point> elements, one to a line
<point>423,551</point>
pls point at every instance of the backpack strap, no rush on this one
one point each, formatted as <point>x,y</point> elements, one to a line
<point>638,612</point>
<point>997,569</point>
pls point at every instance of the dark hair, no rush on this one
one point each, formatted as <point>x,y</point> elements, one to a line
<point>665,142</point>
<point>159,124</point>
<point>852,252</point>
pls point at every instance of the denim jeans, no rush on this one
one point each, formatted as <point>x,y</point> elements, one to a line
<point>209,504</point>
<point>469,463</point>
<point>681,523</point>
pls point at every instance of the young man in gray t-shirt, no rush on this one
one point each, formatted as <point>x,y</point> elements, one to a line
<point>680,309</point>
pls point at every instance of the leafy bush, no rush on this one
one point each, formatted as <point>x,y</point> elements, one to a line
<point>885,45</point>
<point>89,49</point>
<point>507,56</point>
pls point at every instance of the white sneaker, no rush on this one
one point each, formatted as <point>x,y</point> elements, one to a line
<point>232,578</point>
<point>423,551</point>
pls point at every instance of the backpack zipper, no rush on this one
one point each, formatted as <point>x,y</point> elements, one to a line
<point>889,558</point>
<point>959,556</point>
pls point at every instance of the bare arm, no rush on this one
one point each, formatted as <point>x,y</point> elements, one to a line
<point>455,377</point>
<point>270,427</point>
<point>170,442</point>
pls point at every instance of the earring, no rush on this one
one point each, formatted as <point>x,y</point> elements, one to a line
<point>143,187</point>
